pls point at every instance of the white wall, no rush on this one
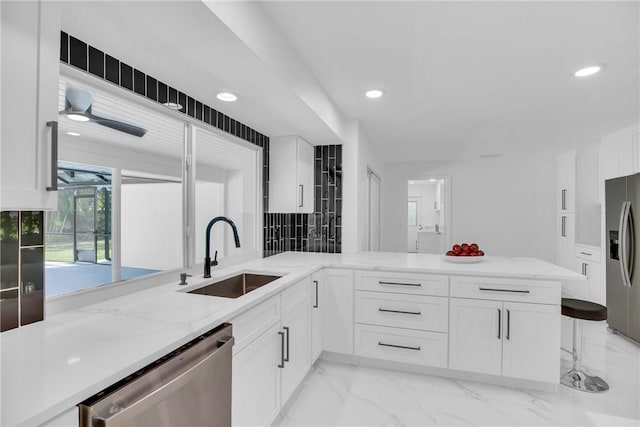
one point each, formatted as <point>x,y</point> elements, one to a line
<point>505,204</point>
<point>152,225</point>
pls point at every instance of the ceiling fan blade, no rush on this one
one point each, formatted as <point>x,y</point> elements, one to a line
<point>119,126</point>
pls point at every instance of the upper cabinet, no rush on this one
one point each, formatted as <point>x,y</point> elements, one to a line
<point>290,175</point>
<point>30,71</point>
<point>566,186</point>
<point>620,154</point>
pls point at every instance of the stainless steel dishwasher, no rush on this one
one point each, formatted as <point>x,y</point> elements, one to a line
<point>190,386</point>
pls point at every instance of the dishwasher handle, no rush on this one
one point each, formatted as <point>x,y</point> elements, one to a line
<point>147,390</point>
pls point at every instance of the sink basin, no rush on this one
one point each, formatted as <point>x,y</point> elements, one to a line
<point>235,286</point>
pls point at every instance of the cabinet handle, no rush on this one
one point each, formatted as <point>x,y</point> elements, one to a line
<point>563,232</point>
<point>54,156</point>
<point>516,291</point>
<point>584,269</point>
<point>499,323</point>
<point>508,324</point>
<point>586,253</point>
<point>281,364</point>
<point>417,313</point>
<point>380,343</point>
<point>399,284</point>
<point>564,199</point>
<point>301,204</point>
<point>286,329</point>
<point>315,282</point>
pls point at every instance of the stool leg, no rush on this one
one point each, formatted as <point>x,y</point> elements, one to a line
<point>576,377</point>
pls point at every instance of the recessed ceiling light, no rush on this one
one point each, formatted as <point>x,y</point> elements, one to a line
<point>374,93</point>
<point>432,180</point>
<point>73,133</point>
<point>411,182</point>
<point>587,71</point>
<point>227,97</point>
<point>173,105</point>
<point>78,117</point>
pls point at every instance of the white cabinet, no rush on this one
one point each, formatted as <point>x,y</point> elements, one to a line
<point>272,356</point>
<point>291,174</point>
<point>620,154</point>
<point>30,70</point>
<point>337,324</point>
<point>475,335</point>
<point>317,308</point>
<point>295,326</point>
<point>518,340</point>
<point>566,202</point>
<point>256,381</point>
<point>587,263</point>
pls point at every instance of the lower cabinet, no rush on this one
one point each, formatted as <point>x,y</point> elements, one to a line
<point>256,380</point>
<point>295,361</point>
<point>337,324</point>
<point>519,340</point>
<point>317,308</point>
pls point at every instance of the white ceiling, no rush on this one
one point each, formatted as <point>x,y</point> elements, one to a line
<point>461,78</point>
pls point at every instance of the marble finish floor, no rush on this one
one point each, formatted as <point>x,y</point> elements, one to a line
<point>341,394</point>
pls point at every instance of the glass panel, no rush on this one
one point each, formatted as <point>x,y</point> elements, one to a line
<point>8,310</point>
<point>31,229</point>
<point>9,249</point>
<point>412,210</point>
<point>32,278</point>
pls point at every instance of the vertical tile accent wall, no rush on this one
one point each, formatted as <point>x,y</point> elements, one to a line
<point>21,268</point>
<point>320,231</point>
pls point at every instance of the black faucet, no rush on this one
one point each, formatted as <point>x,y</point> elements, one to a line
<point>207,258</point>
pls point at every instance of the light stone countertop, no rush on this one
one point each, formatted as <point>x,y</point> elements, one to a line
<point>50,366</point>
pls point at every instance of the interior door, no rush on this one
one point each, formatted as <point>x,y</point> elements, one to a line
<point>616,195</point>
<point>414,213</point>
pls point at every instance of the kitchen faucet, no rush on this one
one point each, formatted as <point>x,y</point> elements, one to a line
<point>207,258</point>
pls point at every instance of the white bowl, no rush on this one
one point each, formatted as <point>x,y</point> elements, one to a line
<point>463,259</point>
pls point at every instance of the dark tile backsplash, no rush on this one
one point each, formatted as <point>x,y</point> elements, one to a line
<point>21,268</point>
<point>320,231</point>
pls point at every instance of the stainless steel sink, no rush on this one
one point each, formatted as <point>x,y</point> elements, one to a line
<point>235,286</point>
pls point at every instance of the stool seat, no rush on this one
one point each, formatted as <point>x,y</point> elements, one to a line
<point>586,310</point>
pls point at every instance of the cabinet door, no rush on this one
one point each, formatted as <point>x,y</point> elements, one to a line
<point>256,381</point>
<point>531,341</point>
<point>475,335</point>
<point>317,307</point>
<point>337,325</point>
<point>295,326</point>
<point>566,183</point>
<point>566,240</point>
<point>305,176</point>
<point>30,69</point>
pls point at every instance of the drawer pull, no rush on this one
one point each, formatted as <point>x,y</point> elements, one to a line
<point>399,284</point>
<point>586,253</point>
<point>516,291</point>
<point>398,346</point>
<point>386,310</point>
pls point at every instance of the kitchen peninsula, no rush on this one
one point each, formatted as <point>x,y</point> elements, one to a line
<point>496,321</point>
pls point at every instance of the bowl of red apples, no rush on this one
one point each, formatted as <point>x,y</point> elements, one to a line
<point>464,253</point>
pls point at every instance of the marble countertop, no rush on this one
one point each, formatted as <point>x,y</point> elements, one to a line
<point>50,366</point>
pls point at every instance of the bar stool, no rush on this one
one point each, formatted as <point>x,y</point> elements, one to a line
<point>580,310</point>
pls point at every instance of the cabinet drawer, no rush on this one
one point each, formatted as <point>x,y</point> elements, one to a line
<point>425,313</point>
<point>249,325</point>
<point>401,345</point>
<point>588,253</point>
<point>403,283</point>
<point>295,294</point>
<point>535,291</point>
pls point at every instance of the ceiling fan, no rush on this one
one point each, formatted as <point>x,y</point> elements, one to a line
<point>77,106</point>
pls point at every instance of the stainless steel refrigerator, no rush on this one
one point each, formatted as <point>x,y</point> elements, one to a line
<point>623,258</point>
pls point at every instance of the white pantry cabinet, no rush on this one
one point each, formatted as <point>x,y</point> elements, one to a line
<point>518,340</point>
<point>30,70</point>
<point>566,202</point>
<point>317,308</point>
<point>337,324</point>
<point>295,326</point>
<point>291,175</point>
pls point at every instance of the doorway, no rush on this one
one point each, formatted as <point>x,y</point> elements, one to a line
<point>427,215</point>
<point>85,231</point>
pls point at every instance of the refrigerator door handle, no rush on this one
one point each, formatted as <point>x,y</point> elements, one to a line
<point>623,227</point>
<point>632,244</point>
